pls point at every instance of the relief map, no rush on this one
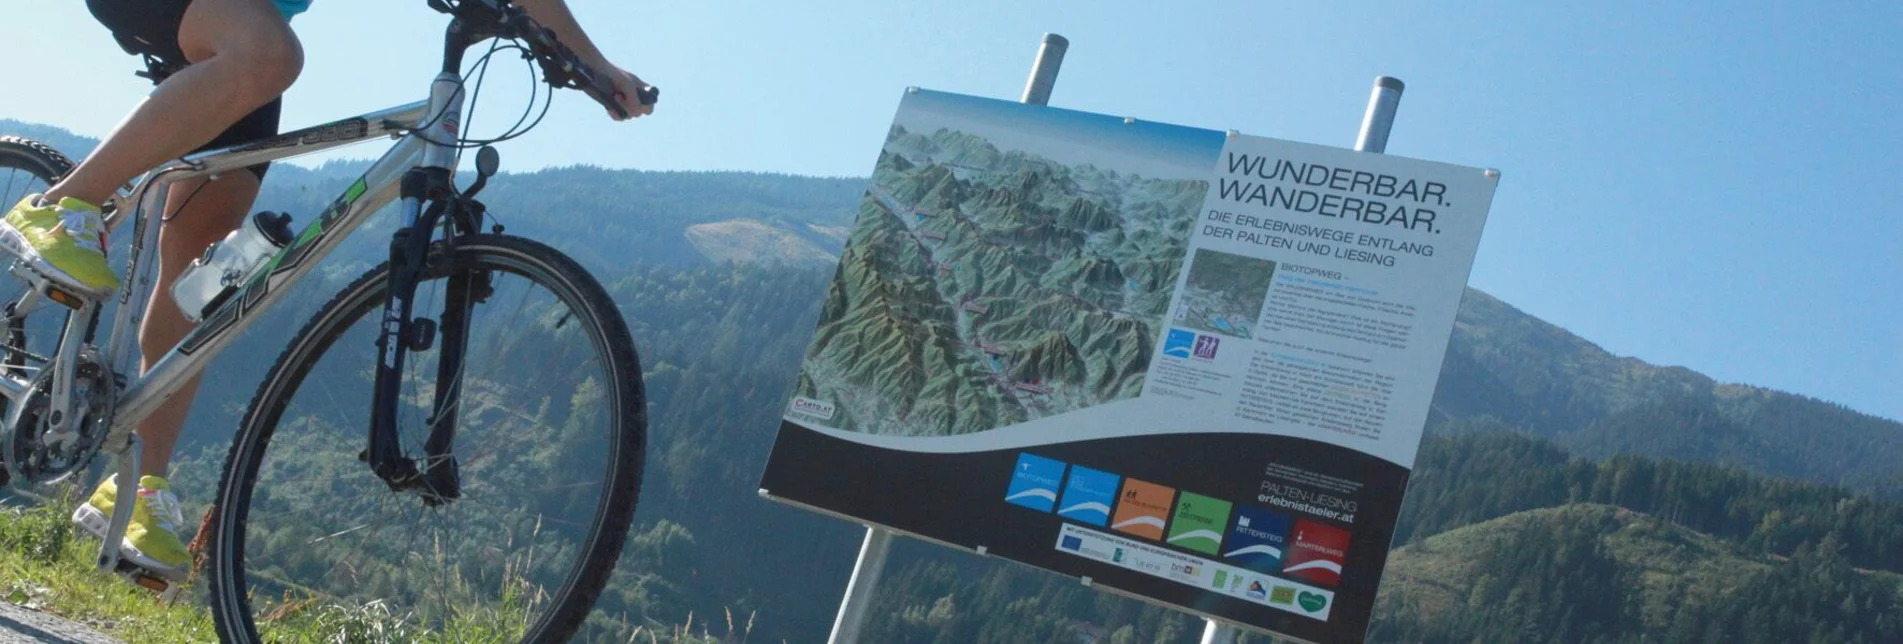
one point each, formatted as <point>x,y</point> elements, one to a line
<point>985,285</point>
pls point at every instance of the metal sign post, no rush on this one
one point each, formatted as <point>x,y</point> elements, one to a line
<point>1050,56</point>
<point>865,577</point>
<point>1375,125</point>
<point>871,563</point>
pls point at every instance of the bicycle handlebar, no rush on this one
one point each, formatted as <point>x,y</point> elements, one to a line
<point>560,66</point>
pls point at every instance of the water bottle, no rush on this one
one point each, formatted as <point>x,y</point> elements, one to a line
<point>229,263</point>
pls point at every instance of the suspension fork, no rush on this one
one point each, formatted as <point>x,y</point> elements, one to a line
<point>409,250</point>
<point>401,333</point>
<point>462,291</point>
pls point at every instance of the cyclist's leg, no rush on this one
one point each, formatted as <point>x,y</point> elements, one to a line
<point>243,56</point>
<point>197,221</point>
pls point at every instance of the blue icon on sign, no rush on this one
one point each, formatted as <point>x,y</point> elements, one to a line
<point>1072,544</point>
<point>1179,343</point>
<point>1088,495</point>
<point>1034,482</point>
<point>1258,539</point>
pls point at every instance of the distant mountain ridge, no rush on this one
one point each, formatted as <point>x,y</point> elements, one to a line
<point>1539,377</point>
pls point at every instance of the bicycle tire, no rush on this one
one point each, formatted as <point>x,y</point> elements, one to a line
<point>42,163</point>
<point>596,560</point>
<point>46,163</point>
<point>45,166</point>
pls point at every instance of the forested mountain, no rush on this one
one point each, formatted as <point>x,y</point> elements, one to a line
<point>1536,376</point>
<point>1564,494</point>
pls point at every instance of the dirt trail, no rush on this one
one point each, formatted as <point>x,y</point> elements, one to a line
<point>19,625</point>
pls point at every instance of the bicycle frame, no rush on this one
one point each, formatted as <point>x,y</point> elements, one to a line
<point>376,188</point>
<point>418,127</point>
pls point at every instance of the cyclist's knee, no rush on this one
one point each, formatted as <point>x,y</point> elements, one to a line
<point>277,64</point>
<point>251,36</point>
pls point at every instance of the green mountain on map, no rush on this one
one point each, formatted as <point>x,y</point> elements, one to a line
<point>994,287</point>
<point>1052,358</point>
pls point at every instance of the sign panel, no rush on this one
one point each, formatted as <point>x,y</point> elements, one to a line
<point>1190,366</point>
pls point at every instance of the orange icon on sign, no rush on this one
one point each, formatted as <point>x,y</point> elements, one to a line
<point>1141,509</point>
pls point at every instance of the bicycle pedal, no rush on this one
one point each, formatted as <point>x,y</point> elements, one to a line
<point>69,300</point>
<point>65,295</point>
<point>166,589</point>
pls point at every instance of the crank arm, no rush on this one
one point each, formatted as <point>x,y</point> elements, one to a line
<point>128,480</point>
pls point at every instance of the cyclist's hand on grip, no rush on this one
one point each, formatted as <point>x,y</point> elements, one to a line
<point>634,97</point>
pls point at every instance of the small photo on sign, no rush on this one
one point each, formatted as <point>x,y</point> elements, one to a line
<point>1088,496</point>
<point>1317,553</point>
<point>1224,293</point>
<point>1142,509</point>
<point>1034,482</point>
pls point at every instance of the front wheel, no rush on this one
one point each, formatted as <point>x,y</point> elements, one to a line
<point>550,432</point>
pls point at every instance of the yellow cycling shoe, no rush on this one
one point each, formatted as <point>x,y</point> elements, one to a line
<point>63,241</point>
<point>151,540</point>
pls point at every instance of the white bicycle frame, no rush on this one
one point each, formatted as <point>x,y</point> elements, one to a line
<point>423,128</point>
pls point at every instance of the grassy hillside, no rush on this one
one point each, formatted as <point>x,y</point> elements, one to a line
<point>1486,580</point>
<point>43,566</point>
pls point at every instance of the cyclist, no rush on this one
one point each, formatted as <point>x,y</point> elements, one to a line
<point>220,68</point>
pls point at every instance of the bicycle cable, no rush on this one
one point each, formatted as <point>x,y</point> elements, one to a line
<point>188,201</point>
<point>480,70</point>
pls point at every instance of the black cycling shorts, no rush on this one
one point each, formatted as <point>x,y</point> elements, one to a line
<point>149,28</point>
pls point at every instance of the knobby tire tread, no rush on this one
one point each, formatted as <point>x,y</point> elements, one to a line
<point>52,161</point>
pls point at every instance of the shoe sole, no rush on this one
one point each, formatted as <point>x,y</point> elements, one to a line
<point>96,523</point>
<point>14,243</point>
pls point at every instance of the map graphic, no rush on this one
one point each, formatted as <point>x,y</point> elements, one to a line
<point>988,282</point>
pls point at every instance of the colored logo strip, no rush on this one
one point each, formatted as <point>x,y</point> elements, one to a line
<point>1230,581</point>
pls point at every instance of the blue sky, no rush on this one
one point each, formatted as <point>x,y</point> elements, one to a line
<point>1697,183</point>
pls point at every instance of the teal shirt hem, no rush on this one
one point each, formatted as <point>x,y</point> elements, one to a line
<point>291,7</point>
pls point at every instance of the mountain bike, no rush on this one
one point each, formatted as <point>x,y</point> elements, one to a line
<point>457,436</point>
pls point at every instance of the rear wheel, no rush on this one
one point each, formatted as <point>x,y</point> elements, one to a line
<point>31,326</point>
<point>551,431</point>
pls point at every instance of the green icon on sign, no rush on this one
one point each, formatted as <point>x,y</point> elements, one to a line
<point>1311,602</point>
<point>1222,576</point>
<point>1198,523</point>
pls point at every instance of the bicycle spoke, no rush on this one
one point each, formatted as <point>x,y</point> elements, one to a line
<point>12,173</point>
<point>535,429</point>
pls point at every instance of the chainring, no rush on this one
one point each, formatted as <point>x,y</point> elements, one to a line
<point>36,455</point>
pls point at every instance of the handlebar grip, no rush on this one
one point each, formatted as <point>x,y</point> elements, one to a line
<point>648,95</point>
<point>603,91</point>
